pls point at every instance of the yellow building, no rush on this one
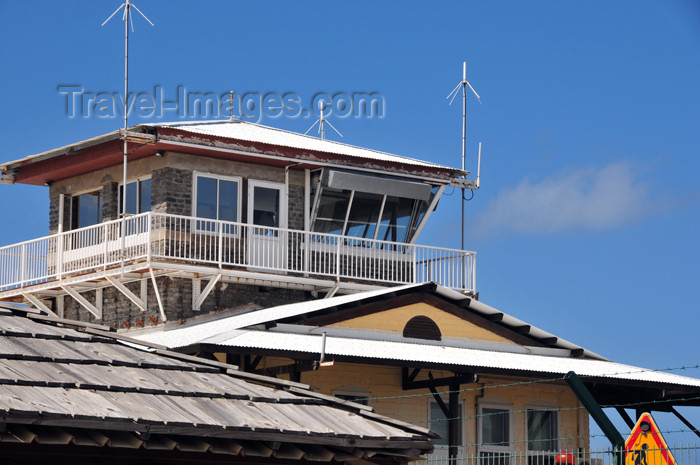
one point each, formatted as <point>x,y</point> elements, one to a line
<point>428,355</point>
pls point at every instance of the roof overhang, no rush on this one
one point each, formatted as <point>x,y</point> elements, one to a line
<point>147,139</point>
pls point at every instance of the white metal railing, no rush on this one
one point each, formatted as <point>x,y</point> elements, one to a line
<point>159,236</point>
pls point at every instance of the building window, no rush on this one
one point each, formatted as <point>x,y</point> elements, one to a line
<point>216,198</point>
<point>86,209</point>
<point>353,393</point>
<point>369,207</point>
<point>495,427</point>
<point>542,434</point>
<point>439,424</point>
<point>138,196</point>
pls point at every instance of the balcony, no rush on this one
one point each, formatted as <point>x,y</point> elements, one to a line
<point>158,241</point>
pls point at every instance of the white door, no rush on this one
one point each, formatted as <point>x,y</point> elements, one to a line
<point>267,222</point>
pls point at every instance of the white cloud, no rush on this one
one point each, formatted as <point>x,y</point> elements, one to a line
<point>585,199</point>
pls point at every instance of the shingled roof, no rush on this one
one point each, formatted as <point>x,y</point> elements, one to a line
<point>73,390</point>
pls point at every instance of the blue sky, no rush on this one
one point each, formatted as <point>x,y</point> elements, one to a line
<point>588,218</point>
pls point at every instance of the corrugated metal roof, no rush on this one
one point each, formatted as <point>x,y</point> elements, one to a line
<point>184,335</point>
<point>251,132</point>
<point>181,336</point>
<point>442,355</point>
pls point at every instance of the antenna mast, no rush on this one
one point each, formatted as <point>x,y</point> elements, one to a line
<point>321,123</point>
<point>470,185</point>
<point>128,21</point>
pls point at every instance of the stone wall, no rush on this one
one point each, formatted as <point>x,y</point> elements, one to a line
<point>171,191</point>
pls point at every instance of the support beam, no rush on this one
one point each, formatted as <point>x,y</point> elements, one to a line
<point>408,380</point>
<point>38,303</point>
<point>60,306</point>
<point>685,422</point>
<point>99,299</point>
<point>625,416</point>
<point>82,301</point>
<point>124,290</point>
<point>589,402</point>
<point>453,423</point>
<point>157,293</point>
<point>332,292</point>
<point>207,290</point>
<point>295,368</point>
<point>451,412</point>
<point>251,364</point>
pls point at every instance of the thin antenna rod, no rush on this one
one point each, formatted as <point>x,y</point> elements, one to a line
<point>478,168</point>
<point>463,84</point>
<point>126,17</point>
<point>322,121</point>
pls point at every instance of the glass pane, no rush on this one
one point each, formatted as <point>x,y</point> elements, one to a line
<point>439,424</point>
<point>87,210</point>
<point>542,430</point>
<point>145,196</point>
<point>206,197</point>
<point>395,219</point>
<point>266,207</point>
<point>228,200</point>
<point>494,427</point>
<point>131,200</point>
<point>333,205</point>
<point>364,213</point>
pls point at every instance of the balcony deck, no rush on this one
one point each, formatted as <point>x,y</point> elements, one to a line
<point>163,244</point>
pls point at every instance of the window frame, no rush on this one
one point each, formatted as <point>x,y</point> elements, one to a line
<point>543,406</point>
<point>491,448</point>
<point>120,194</point>
<point>414,221</point>
<point>462,423</point>
<point>78,194</point>
<point>239,202</point>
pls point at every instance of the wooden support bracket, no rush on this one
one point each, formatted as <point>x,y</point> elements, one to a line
<point>37,303</point>
<point>83,301</point>
<point>207,290</point>
<point>124,290</point>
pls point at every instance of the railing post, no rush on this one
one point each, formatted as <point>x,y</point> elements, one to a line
<point>307,251</point>
<point>220,255</point>
<point>105,253</point>
<point>473,267</point>
<point>149,236</point>
<point>415,264</point>
<point>59,255</point>
<point>337,258</point>
<point>23,259</point>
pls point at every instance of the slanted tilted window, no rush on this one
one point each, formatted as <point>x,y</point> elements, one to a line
<point>369,207</point>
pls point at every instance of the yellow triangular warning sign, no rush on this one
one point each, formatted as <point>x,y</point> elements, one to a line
<point>646,446</point>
